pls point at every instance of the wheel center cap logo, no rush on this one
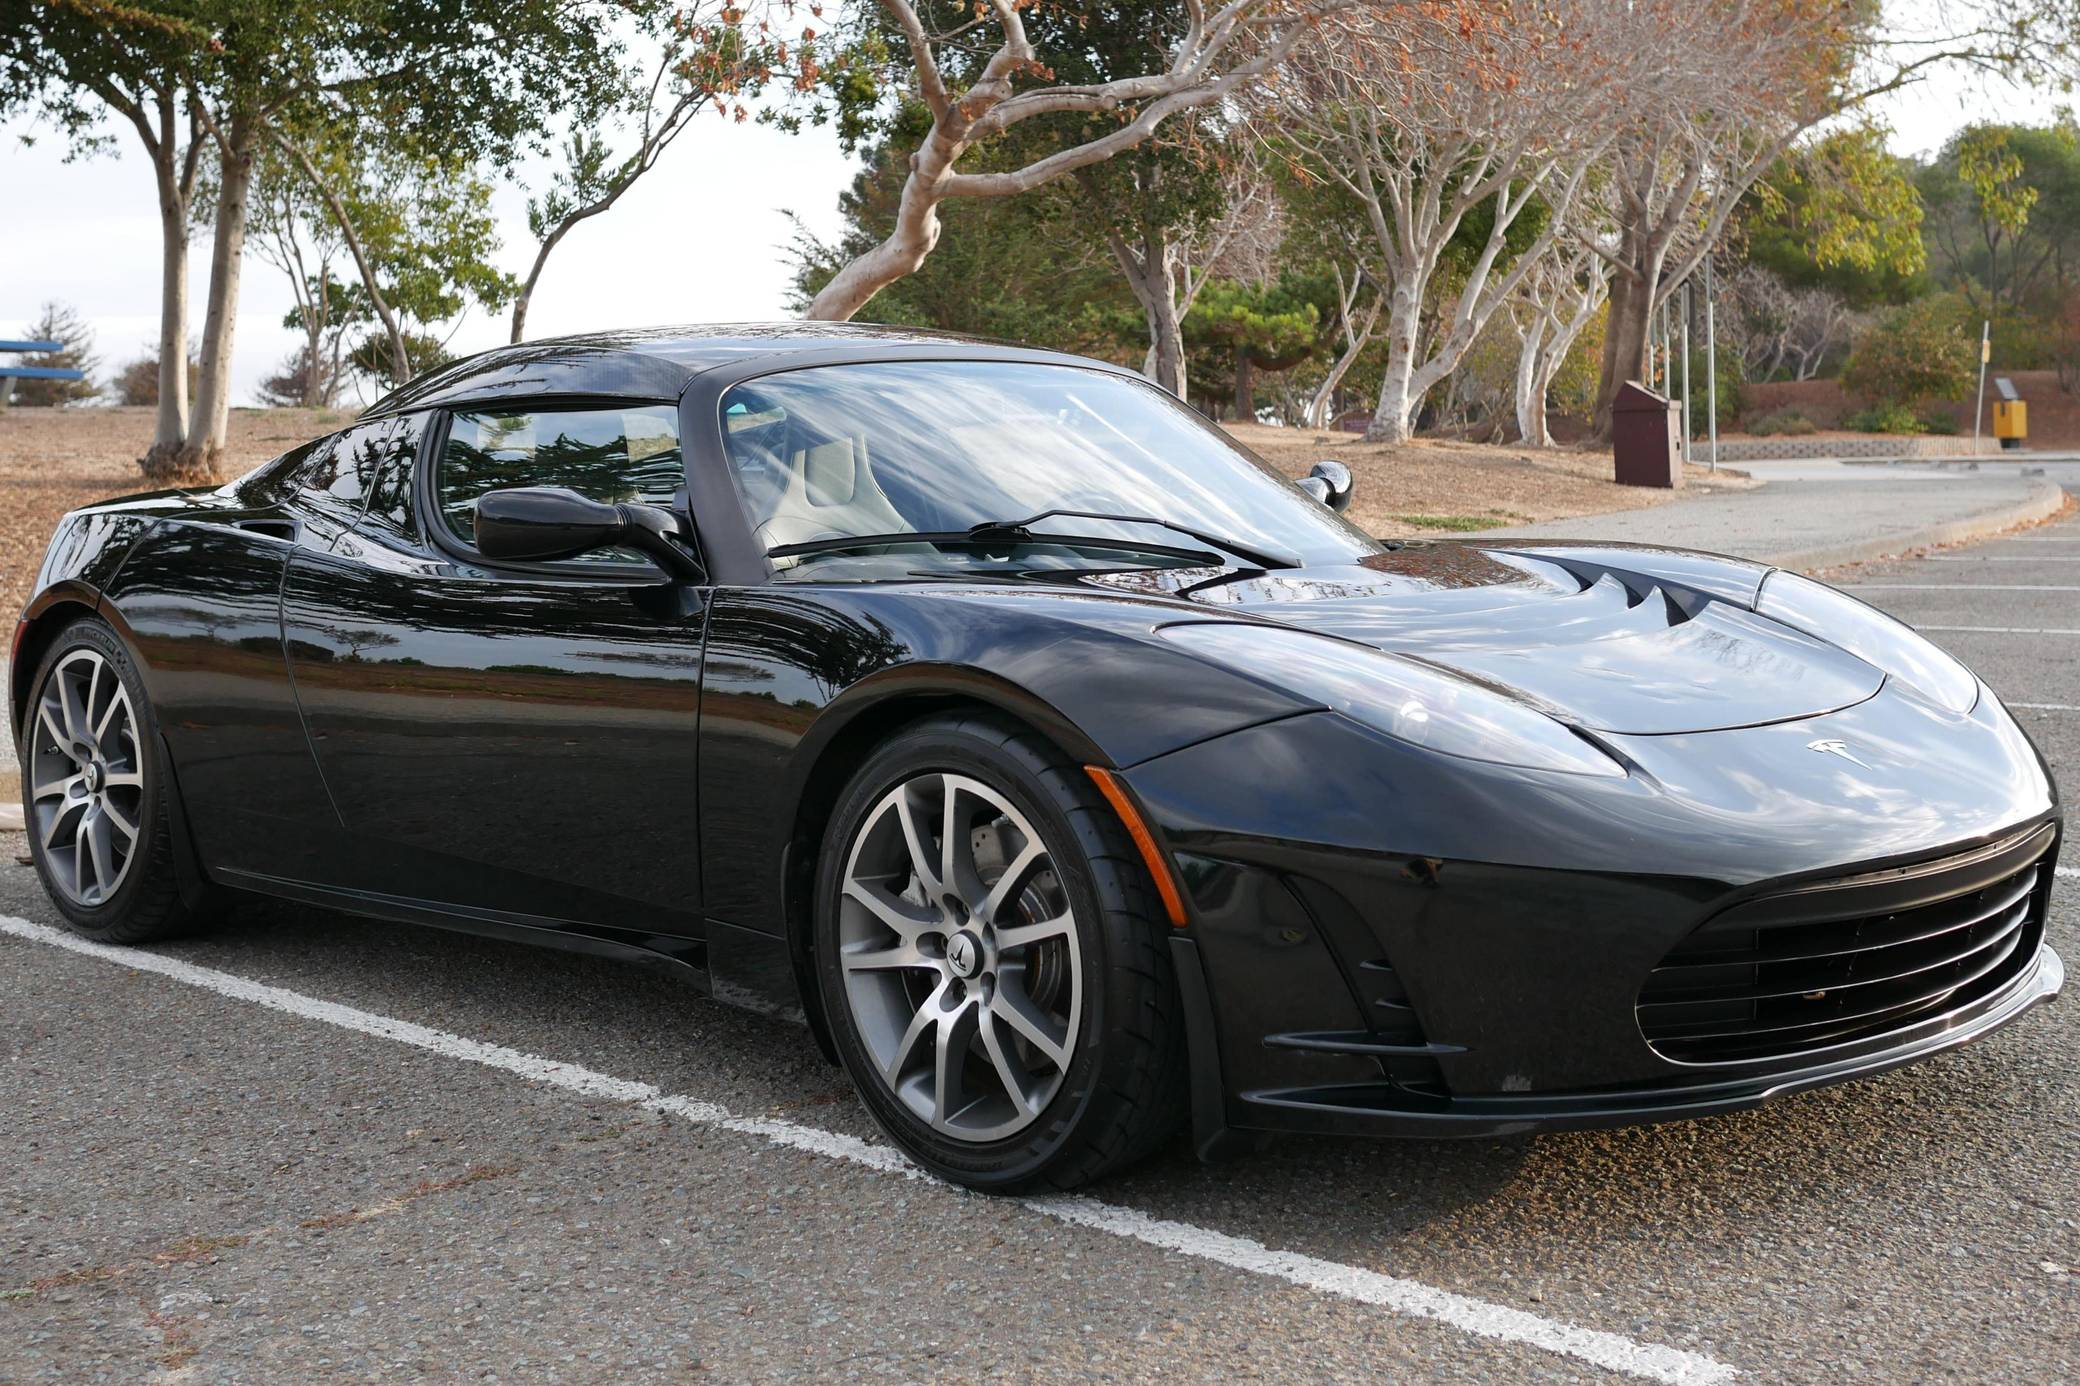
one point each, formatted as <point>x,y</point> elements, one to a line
<point>963,954</point>
<point>93,778</point>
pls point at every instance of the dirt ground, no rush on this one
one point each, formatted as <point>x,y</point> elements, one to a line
<point>1428,485</point>
<point>52,460</point>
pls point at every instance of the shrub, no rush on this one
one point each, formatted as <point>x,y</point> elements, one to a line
<point>1936,421</point>
<point>1916,353</point>
<point>1884,418</point>
<point>1788,422</point>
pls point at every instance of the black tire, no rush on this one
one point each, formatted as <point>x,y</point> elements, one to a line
<point>147,904</point>
<point>1122,1093</point>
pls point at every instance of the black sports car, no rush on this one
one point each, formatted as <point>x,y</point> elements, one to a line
<point>1067,769</point>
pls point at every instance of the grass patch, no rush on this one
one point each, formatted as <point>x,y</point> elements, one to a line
<point>1458,524</point>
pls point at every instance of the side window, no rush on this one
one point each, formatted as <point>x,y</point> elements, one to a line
<point>389,510</point>
<point>276,482</point>
<point>621,454</point>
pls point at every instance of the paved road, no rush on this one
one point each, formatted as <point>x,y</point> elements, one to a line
<point>211,1181</point>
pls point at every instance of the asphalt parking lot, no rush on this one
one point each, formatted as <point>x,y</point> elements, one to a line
<point>311,1147</point>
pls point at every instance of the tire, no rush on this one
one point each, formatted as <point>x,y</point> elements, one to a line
<point>90,740</point>
<point>1055,985</point>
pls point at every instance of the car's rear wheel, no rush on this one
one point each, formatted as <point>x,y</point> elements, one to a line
<point>94,792</point>
<point>992,961</point>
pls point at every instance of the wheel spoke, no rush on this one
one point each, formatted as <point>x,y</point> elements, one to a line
<point>1010,936</point>
<point>903,955</point>
<point>46,790</point>
<point>93,692</point>
<point>1011,881</point>
<point>1007,1072</point>
<point>926,1019</point>
<point>893,913</point>
<point>1022,1015</point>
<point>101,840</point>
<point>114,703</point>
<point>956,1030</point>
<point>123,779</point>
<point>123,825</point>
<point>57,825</point>
<point>928,874</point>
<point>79,859</point>
<point>60,742</point>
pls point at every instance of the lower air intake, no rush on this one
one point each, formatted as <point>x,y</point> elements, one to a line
<point>1851,959</point>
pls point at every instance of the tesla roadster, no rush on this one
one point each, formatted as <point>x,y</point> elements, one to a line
<point>1075,776</point>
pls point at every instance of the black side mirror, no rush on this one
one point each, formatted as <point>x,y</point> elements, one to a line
<point>544,523</point>
<point>1331,483</point>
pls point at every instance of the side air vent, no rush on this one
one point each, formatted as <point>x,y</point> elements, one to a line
<point>1850,959</point>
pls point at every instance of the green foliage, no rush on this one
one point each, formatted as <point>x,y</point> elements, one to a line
<point>1457,524</point>
<point>1731,392</point>
<point>371,356</point>
<point>2004,223</point>
<point>1915,353</point>
<point>1889,417</point>
<point>58,323</point>
<point>1784,423</point>
<point>1843,214</point>
<point>1936,421</point>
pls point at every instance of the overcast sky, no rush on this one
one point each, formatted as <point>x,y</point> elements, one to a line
<point>700,239</point>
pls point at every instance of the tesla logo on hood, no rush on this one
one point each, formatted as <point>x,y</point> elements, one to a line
<point>1836,748</point>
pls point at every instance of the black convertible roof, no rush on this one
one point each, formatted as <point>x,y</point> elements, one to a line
<point>658,362</point>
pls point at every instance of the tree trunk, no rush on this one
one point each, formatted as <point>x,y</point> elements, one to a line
<point>220,321</point>
<point>170,429</point>
<point>908,243</point>
<point>1625,335</point>
<point>1393,419</point>
<point>1530,394</point>
<point>1360,337</point>
<point>1245,386</point>
<point>1151,273</point>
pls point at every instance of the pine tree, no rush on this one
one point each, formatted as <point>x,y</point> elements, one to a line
<point>59,323</point>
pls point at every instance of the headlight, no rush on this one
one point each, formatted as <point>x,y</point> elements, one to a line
<point>1891,647</point>
<point>1403,698</point>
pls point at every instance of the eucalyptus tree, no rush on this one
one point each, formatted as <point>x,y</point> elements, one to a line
<point>978,72</point>
<point>475,79</point>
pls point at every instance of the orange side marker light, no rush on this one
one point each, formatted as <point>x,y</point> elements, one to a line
<point>1166,880</point>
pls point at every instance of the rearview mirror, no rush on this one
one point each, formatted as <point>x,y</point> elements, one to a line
<point>1329,482</point>
<point>540,524</point>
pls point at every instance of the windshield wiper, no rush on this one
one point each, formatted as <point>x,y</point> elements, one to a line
<point>1003,533</point>
<point>986,537</point>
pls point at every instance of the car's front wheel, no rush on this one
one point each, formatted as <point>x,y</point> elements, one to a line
<point>991,958</point>
<point>95,794</point>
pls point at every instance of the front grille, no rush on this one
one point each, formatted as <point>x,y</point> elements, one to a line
<point>1850,959</point>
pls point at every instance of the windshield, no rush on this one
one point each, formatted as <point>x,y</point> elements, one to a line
<point>940,446</point>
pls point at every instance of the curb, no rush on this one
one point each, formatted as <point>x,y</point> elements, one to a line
<point>2045,499</point>
<point>11,819</point>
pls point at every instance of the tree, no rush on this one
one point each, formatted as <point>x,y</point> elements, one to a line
<point>472,78</point>
<point>1921,352</point>
<point>1554,306</point>
<point>1436,120</point>
<point>1782,332</point>
<point>293,230</point>
<point>1250,328</point>
<point>1840,213</point>
<point>59,323</point>
<point>925,54</point>
<point>2004,219</point>
<point>137,384</point>
<point>703,65</point>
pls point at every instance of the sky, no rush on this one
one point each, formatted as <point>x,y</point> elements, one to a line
<point>701,238</point>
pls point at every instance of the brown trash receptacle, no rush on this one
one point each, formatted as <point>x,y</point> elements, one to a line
<point>1647,437</point>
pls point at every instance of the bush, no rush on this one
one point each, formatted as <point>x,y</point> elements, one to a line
<point>1915,354</point>
<point>1788,422</point>
<point>1885,418</point>
<point>1936,421</point>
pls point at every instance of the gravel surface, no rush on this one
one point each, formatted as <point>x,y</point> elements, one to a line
<point>202,1189</point>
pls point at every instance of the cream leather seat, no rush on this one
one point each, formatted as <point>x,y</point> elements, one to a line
<point>829,492</point>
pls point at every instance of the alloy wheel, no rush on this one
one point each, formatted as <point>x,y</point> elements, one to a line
<point>960,956</point>
<point>86,776</point>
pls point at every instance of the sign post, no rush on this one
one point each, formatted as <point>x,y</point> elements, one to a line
<point>1979,399</point>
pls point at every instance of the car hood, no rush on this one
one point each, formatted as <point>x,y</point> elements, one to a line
<point>1609,648</point>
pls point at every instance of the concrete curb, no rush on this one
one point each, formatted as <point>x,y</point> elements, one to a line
<point>2045,499</point>
<point>11,819</point>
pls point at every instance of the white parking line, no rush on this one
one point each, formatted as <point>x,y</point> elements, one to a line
<point>2009,630</point>
<point>2013,558</point>
<point>2048,707</point>
<point>1960,587</point>
<point>1481,1318</point>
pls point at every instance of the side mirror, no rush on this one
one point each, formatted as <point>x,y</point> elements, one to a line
<point>543,523</point>
<point>1330,482</point>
